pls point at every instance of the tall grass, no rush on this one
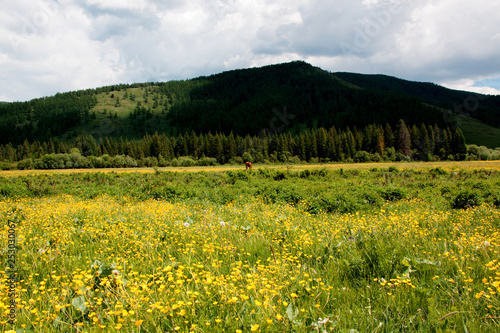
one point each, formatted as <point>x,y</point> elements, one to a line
<point>272,251</point>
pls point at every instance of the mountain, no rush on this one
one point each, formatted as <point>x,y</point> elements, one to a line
<point>285,97</point>
<point>482,107</point>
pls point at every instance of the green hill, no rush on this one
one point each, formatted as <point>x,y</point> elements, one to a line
<point>285,97</point>
<point>483,107</point>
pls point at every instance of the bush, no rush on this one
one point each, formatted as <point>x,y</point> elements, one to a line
<point>305,174</point>
<point>234,175</point>
<point>279,175</point>
<point>247,157</point>
<point>402,158</point>
<point>362,157</point>
<point>496,201</point>
<point>151,162</point>
<point>7,166</point>
<point>393,169</point>
<point>207,161</point>
<point>482,153</point>
<point>466,200</point>
<point>186,161</point>
<point>237,160</point>
<point>393,194</point>
<point>438,171</point>
<point>25,164</point>
<point>390,154</point>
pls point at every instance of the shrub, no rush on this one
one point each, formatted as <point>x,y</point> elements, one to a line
<point>207,161</point>
<point>393,169</point>
<point>438,171</point>
<point>279,175</point>
<point>390,154</point>
<point>393,194</point>
<point>402,158</point>
<point>25,164</point>
<point>305,174</point>
<point>466,200</point>
<point>185,161</point>
<point>235,175</point>
<point>151,162</point>
<point>496,200</point>
<point>247,157</point>
<point>363,157</point>
<point>237,160</point>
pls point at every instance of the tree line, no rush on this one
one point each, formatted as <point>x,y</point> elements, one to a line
<point>372,143</point>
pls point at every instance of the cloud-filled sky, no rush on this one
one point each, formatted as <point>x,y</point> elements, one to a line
<point>49,46</point>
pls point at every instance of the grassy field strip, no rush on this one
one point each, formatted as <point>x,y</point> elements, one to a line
<point>489,165</point>
<point>413,248</point>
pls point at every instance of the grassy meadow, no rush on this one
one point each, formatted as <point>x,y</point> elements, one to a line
<point>366,248</point>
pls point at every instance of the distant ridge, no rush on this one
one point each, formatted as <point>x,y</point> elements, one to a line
<point>291,97</point>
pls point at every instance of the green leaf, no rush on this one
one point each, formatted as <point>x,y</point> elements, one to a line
<point>79,304</point>
<point>427,262</point>
<point>406,261</point>
<point>289,312</point>
<point>23,330</point>
<point>57,322</point>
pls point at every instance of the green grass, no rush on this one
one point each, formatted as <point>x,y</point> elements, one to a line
<point>112,119</point>
<point>378,249</point>
<point>479,133</point>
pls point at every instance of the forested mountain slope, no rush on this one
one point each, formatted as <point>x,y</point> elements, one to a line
<point>285,97</point>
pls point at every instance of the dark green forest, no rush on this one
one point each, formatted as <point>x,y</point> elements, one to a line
<point>374,143</point>
<point>273,113</point>
<point>482,107</point>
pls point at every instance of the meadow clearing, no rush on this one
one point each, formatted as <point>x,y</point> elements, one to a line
<point>363,248</point>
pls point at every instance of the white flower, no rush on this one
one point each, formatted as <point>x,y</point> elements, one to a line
<point>222,223</point>
<point>186,224</point>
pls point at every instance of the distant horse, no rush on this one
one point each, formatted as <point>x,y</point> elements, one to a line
<point>248,165</point>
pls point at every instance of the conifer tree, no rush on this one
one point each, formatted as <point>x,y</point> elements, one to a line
<point>458,145</point>
<point>404,139</point>
<point>388,136</point>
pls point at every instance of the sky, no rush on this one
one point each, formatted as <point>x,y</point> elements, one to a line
<point>49,46</point>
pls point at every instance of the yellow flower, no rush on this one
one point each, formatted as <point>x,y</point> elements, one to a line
<point>254,328</point>
<point>138,322</point>
<point>279,317</point>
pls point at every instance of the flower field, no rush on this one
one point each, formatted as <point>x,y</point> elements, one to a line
<point>272,251</point>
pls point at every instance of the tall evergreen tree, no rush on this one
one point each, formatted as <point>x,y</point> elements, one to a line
<point>388,136</point>
<point>458,145</point>
<point>404,139</point>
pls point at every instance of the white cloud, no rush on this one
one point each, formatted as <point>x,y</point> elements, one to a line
<point>471,85</point>
<point>47,46</point>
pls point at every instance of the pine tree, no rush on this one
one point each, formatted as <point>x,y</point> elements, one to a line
<point>458,145</point>
<point>302,148</point>
<point>321,141</point>
<point>404,139</point>
<point>155,148</point>
<point>230,149</point>
<point>388,136</point>
<point>422,143</point>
